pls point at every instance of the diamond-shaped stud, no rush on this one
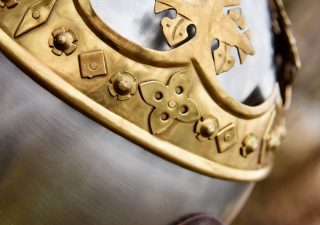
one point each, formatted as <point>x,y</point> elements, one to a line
<point>92,64</point>
<point>226,138</point>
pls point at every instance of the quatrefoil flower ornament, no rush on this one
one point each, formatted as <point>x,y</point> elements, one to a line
<point>170,102</point>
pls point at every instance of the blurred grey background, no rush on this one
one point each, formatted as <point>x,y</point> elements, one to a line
<point>291,195</point>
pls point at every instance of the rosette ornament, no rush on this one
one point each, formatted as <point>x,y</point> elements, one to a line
<point>170,102</point>
<point>62,41</point>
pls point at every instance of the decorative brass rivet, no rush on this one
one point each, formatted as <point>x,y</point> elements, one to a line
<point>36,14</point>
<point>282,131</point>
<point>250,145</point>
<point>62,41</point>
<point>276,137</point>
<point>123,86</point>
<point>207,128</point>
<point>172,104</point>
<point>273,142</point>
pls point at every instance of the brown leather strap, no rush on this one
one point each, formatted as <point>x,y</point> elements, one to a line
<point>200,219</point>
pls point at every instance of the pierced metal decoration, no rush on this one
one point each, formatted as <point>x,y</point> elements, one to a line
<point>219,26</point>
<point>35,16</point>
<point>171,102</point>
<point>62,41</point>
<point>175,30</point>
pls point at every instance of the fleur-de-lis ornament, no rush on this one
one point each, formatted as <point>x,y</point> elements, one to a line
<point>171,102</point>
<point>211,24</point>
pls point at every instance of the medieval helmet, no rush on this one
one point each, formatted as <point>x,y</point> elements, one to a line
<point>139,112</point>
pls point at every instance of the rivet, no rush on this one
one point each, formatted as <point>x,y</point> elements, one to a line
<point>207,127</point>
<point>172,104</point>
<point>123,86</point>
<point>36,14</point>
<point>93,65</point>
<point>228,137</point>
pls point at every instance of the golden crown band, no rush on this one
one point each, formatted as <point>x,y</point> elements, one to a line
<point>168,102</point>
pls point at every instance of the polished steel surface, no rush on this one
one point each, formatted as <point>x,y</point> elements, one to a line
<point>59,167</point>
<point>258,71</point>
<point>137,21</point>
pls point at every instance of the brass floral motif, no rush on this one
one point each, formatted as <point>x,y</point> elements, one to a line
<point>170,102</point>
<point>123,86</point>
<point>35,16</point>
<point>207,128</point>
<point>62,41</point>
<point>250,145</point>
<point>276,137</point>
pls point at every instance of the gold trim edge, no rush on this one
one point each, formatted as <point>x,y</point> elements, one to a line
<point>70,94</point>
<point>165,59</point>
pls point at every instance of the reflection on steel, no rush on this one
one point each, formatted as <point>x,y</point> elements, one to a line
<point>59,166</point>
